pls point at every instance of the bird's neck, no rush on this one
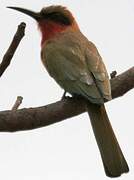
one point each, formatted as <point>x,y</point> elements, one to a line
<point>50,30</point>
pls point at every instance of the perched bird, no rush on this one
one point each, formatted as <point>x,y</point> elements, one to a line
<point>76,65</point>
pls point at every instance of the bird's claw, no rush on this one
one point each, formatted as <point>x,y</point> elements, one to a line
<point>64,96</point>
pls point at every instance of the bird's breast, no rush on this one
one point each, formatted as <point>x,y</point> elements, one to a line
<point>60,53</point>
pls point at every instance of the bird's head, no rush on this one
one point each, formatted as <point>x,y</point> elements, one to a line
<point>51,20</point>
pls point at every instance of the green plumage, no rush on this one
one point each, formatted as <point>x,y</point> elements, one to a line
<point>77,67</point>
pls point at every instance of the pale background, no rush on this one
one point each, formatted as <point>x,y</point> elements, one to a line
<point>67,150</point>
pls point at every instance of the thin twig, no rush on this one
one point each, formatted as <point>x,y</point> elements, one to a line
<point>12,48</point>
<point>17,103</point>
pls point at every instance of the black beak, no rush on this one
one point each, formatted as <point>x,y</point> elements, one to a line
<point>35,15</point>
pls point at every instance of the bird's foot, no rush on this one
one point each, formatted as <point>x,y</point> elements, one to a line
<point>64,97</point>
<point>113,74</point>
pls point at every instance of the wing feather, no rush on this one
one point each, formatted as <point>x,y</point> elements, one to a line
<point>77,68</point>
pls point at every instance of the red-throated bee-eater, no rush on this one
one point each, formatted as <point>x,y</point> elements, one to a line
<point>76,65</point>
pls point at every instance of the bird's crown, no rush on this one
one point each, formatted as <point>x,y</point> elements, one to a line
<point>59,14</point>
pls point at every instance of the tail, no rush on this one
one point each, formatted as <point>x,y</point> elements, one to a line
<point>111,154</point>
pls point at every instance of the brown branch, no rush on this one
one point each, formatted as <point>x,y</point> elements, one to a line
<point>122,83</point>
<point>12,48</point>
<point>26,119</point>
<point>17,103</point>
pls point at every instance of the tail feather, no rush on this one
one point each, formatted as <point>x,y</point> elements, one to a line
<point>111,154</point>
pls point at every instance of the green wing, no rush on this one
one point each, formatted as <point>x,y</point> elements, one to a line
<point>77,70</point>
<point>97,68</point>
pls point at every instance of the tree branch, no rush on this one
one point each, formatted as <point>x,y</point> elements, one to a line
<point>122,83</point>
<point>31,118</point>
<point>12,48</point>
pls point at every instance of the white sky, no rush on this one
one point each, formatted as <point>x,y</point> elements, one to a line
<point>66,150</point>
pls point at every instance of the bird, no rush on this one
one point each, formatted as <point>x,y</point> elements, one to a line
<point>76,65</point>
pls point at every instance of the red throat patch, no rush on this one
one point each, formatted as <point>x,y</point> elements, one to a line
<point>49,29</point>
